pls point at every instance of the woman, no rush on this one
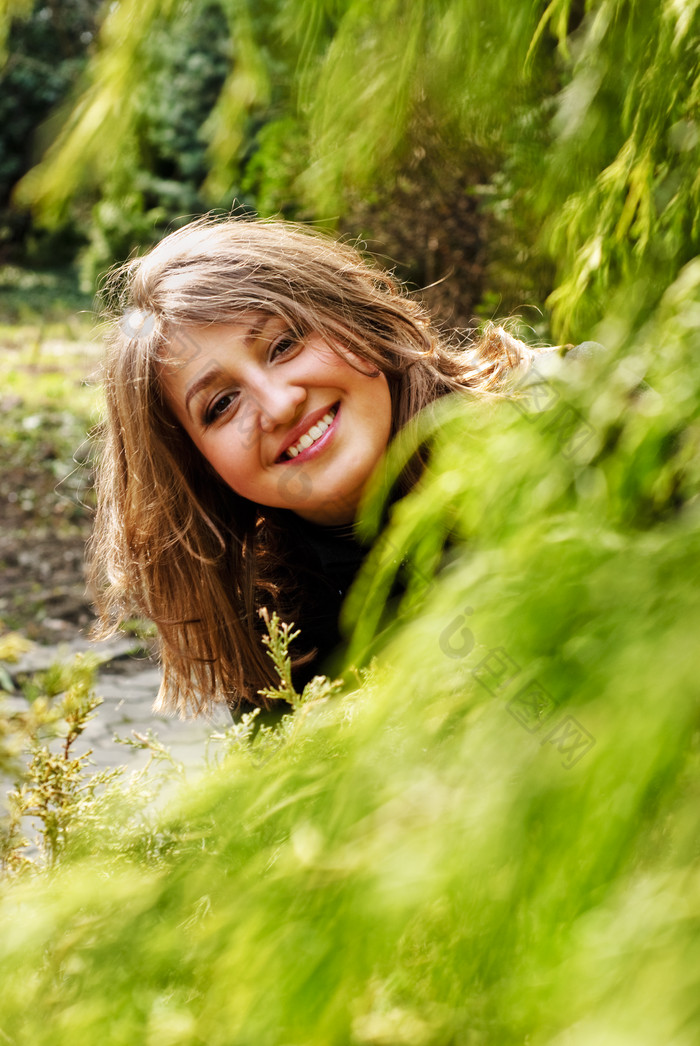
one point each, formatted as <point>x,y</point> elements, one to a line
<point>256,373</point>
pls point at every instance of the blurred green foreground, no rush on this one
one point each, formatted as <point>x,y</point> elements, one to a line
<point>493,839</point>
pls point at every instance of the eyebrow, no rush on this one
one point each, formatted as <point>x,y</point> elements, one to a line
<point>215,373</point>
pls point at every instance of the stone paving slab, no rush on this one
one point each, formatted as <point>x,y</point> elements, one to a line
<point>40,657</point>
<point>128,687</point>
<point>127,709</point>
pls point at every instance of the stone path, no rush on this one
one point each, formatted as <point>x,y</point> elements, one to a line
<point>128,687</point>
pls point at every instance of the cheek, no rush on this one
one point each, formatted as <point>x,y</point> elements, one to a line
<point>233,445</point>
<point>381,402</point>
<point>230,460</point>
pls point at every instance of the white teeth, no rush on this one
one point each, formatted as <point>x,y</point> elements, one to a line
<point>316,430</point>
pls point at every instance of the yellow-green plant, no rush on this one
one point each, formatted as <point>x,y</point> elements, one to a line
<point>588,113</point>
<point>59,796</point>
<point>55,788</point>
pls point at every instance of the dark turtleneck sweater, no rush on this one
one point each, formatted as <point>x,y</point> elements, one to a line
<point>326,559</point>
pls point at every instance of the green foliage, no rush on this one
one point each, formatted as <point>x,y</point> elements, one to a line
<point>598,146</point>
<point>140,127</point>
<point>64,799</point>
<point>53,790</point>
<point>58,797</point>
<point>157,177</point>
<point>12,646</point>
<point>9,10</point>
<point>43,49</point>
<point>47,297</point>
<point>621,169</point>
<point>493,837</point>
<point>587,114</point>
<point>279,636</point>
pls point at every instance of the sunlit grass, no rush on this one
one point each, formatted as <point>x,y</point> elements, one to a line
<point>49,403</point>
<point>49,372</point>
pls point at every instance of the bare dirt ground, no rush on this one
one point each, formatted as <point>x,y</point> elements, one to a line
<point>42,580</point>
<point>45,486</point>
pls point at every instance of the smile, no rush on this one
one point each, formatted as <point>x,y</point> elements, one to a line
<point>311,437</point>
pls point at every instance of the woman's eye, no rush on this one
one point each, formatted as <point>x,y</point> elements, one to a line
<point>219,407</point>
<point>284,346</point>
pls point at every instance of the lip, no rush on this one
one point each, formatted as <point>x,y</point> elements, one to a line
<point>303,426</point>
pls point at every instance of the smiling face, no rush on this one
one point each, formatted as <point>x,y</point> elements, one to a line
<point>283,419</point>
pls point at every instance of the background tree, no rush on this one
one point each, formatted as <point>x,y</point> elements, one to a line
<point>45,49</point>
<point>586,154</point>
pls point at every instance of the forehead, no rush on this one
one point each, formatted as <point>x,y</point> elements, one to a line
<point>188,343</point>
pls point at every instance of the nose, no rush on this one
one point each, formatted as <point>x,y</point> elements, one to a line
<point>278,401</point>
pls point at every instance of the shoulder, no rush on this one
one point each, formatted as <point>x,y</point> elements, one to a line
<point>557,362</point>
<point>587,350</point>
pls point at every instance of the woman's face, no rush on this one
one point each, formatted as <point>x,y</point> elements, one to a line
<point>283,419</point>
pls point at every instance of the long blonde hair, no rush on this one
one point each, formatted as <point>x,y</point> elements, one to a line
<point>172,541</point>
